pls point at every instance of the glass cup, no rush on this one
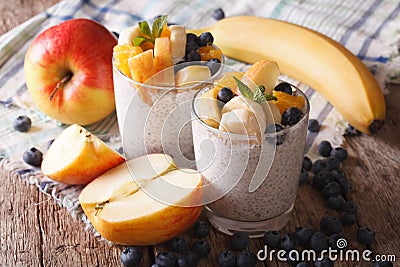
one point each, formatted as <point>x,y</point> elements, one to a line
<point>156,119</point>
<point>250,183</point>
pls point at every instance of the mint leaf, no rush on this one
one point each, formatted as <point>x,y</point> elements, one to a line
<point>269,97</point>
<point>259,96</point>
<point>139,40</point>
<point>145,28</point>
<point>244,89</point>
<point>158,26</point>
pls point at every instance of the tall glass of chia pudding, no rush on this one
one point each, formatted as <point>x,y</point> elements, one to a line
<point>157,70</point>
<point>250,179</point>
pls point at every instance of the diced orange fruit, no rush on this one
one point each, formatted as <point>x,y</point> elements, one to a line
<point>227,80</point>
<point>121,55</point>
<point>166,32</point>
<point>286,101</point>
<point>209,52</point>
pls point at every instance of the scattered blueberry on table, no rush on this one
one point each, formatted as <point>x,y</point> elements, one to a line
<point>239,241</point>
<point>313,125</point>
<point>131,256</point>
<point>218,14</point>
<point>33,157</point>
<point>22,123</point>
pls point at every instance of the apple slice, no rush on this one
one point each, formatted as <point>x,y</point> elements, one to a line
<point>142,66</point>
<point>165,203</point>
<point>163,63</point>
<point>77,157</point>
<point>192,74</point>
<point>207,108</point>
<point>263,72</point>
<point>178,41</point>
<point>128,35</point>
<point>241,102</point>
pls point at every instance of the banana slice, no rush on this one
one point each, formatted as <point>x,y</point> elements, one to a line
<point>241,102</point>
<point>239,121</point>
<point>178,41</point>
<point>128,35</point>
<point>272,113</point>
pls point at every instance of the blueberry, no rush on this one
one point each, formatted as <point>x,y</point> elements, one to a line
<point>291,116</point>
<point>284,87</point>
<point>335,202</point>
<point>120,150</point>
<point>344,185</point>
<point>324,262</point>
<point>165,259</point>
<point>201,229</point>
<point>193,56</point>
<point>324,148</point>
<point>321,179</point>
<point>350,207</point>
<point>338,174</point>
<point>131,256</point>
<point>227,259</point>
<point>313,125</point>
<point>339,153</point>
<point>333,241</point>
<point>201,248</point>
<point>304,234</point>
<point>225,94</point>
<point>348,219</point>
<point>351,131</point>
<point>218,14</point>
<point>302,264</point>
<point>307,164</point>
<point>330,225</point>
<point>365,235</point>
<point>239,241</point>
<point>333,163</point>
<point>383,264</point>
<point>22,123</point>
<point>191,38</point>
<point>320,165</point>
<point>330,189</point>
<point>318,242</point>
<point>178,244</point>
<point>289,242</point>
<point>191,46</point>
<point>204,39</point>
<point>303,177</point>
<point>116,34</point>
<point>33,157</point>
<point>213,64</point>
<point>272,239</point>
<point>187,260</point>
<point>246,259</point>
<point>276,138</point>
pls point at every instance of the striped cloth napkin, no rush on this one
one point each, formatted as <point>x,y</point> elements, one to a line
<point>369,28</point>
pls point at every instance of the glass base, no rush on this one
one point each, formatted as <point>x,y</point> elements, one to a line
<point>254,229</point>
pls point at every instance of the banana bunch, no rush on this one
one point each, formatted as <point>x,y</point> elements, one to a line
<point>309,57</point>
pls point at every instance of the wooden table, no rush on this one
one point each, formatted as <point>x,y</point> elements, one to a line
<point>36,232</point>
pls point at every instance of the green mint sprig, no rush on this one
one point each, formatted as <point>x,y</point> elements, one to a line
<point>150,35</point>
<point>258,94</point>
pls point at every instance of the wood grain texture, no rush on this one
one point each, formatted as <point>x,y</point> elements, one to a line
<point>35,231</point>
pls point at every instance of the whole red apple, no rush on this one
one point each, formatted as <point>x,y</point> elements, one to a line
<point>68,71</point>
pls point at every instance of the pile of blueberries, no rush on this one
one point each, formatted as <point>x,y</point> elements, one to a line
<point>180,254</point>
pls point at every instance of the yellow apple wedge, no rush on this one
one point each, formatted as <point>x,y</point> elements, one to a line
<point>207,108</point>
<point>310,57</point>
<point>77,157</point>
<point>262,72</point>
<point>147,203</point>
<point>192,74</point>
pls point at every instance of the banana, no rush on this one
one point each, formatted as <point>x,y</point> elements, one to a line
<point>129,34</point>
<point>240,121</point>
<point>309,57</point>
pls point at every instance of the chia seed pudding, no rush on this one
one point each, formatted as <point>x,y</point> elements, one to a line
<point>228,163</point>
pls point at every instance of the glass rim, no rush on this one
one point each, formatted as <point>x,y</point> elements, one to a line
<point>185,87</point>
<point>284,131</point>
